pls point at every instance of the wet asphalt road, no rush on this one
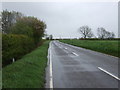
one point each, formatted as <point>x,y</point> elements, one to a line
<point>75,67</point>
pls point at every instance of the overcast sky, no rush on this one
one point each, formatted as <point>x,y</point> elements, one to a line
<point>64,18</point>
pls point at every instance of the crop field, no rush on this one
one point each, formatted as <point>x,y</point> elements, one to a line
<point>105,46</point>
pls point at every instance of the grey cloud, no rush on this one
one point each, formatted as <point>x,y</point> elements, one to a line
<point>64,19</point>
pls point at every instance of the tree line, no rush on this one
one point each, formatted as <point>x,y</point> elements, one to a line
<point>16,23</point>
<point>86,32</point>
<point>20,35</point>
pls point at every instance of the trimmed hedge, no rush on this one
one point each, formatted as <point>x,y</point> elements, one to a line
<point>15,46</point>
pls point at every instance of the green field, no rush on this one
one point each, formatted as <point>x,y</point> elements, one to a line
<point>105,46</point>
<point>28,72</point>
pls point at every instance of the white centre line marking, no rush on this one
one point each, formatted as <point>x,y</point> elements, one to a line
<point>74,54</point>
<point>51,76</point>
<point>65,48</point>
<point>109,73</point>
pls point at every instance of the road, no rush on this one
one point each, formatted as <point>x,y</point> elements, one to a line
<point>75,67</point>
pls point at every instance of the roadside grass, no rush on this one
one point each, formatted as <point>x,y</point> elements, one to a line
<point>0,79</point>
<point>105,46</point>
<point>29,71</point>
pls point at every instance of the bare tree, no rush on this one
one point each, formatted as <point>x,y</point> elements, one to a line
<point>85,31</point>
<point>112,35</point>
<point>102,33</point>
<point>50,37</point>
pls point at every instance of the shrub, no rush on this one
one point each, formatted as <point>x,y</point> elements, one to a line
<point>15,46</point>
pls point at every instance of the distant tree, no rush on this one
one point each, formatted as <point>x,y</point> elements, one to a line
<point>112,35</point>
<point>102,33</point>
<point>50,37</point>
<point>46,35</point>
<point>86,32</point>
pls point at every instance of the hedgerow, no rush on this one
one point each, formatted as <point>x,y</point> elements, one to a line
<point>15,46</point>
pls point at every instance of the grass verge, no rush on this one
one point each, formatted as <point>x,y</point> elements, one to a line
<point>105,46</point>
<point>0,79</point>
<point>28,72</point>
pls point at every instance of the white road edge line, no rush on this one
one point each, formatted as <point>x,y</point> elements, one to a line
<point>74,54</point>
<point>51,76</point>
<point>109,73</point>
